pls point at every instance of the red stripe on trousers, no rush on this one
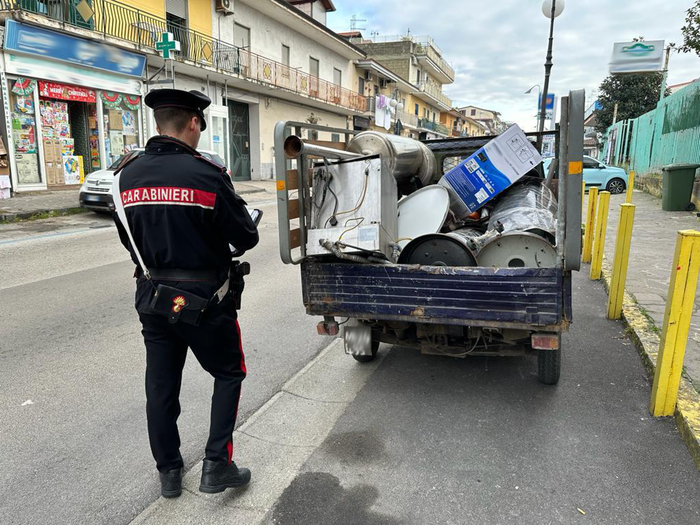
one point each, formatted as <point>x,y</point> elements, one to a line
<point>229,445</point>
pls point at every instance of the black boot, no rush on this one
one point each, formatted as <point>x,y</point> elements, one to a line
<point>217,477</point>
<point>171,483</point>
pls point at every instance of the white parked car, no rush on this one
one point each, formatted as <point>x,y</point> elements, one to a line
<point>96,191</point>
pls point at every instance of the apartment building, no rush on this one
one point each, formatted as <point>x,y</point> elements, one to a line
<point>420,63</point>
<point>490,119</point>
<point>74,74</point>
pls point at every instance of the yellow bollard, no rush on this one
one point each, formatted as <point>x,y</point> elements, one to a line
<point>630,187</point>
<point>590,225</point>
<point>601,225</point>
<point>622,253</point>
<point>674,336</point>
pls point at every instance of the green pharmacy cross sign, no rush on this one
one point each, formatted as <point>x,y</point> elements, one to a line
<point>168,45</point>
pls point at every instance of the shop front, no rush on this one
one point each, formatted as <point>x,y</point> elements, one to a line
<point>69,115</point>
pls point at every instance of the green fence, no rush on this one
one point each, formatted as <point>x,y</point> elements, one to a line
<point>668,134</point>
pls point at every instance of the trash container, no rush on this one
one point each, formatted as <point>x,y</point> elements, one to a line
<point>677,187</point>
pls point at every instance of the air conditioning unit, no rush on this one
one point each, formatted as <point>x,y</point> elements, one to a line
<point>224,6</point>
<point>368,75</point>
<point>382,83</point>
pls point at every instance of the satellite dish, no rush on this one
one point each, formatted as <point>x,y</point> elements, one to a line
<point>422,212</point>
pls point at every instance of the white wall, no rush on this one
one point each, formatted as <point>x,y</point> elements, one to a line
<point>268,35</point>
<point>273,110</point>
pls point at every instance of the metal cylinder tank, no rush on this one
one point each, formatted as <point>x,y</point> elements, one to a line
<point>437,249</point>
<point>529,208</point>
<point>404,157</point>
<point>518,250</point>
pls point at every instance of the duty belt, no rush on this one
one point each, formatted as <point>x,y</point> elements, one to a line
<point>180,275</point>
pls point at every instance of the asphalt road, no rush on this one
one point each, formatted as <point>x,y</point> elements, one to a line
<point>479,441</point>
<point>73,441</point>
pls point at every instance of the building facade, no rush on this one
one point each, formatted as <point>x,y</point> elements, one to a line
<point>418,62</point>
<point>259,61</point>
<point>490,119</point>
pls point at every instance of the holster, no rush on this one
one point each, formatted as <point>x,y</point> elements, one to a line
<point>238,271</point>
<point>178,305</point>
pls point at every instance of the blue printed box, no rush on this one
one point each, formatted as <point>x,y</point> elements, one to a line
<point>490,170</point>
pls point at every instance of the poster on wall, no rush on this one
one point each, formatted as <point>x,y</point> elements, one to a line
<point>27,168</point>
<point>128,123</point>
<point>73,172</point>
<point>116,140</point>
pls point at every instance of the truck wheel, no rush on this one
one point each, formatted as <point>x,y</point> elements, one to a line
<point>548,366</point>
<point>368,358</point>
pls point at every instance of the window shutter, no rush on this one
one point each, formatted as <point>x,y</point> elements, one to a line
<point>177,8</point>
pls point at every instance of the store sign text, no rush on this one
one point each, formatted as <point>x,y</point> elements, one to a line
<point>64,92</point>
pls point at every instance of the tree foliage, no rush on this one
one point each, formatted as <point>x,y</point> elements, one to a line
<point>634,95</point>
<point>691,30</point>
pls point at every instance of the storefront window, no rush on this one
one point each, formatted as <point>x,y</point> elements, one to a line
<point>121,123</point>
<point>24,131</point>
<point>69,131</point>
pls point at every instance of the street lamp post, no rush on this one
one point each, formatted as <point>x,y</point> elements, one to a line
<point>551,9</point>
<point>539,99</point>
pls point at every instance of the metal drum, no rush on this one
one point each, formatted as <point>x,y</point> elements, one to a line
<point>422,212</point>
<point>437,249</point>
<point>527,208</point>
<point>405,158</point>
<point>518,250</point>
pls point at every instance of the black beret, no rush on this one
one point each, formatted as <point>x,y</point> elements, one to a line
<point>178,98</point>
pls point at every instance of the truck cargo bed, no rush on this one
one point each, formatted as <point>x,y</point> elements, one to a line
<point>492,297</point>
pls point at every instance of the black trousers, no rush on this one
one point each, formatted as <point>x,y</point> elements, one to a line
<point>216,343</point>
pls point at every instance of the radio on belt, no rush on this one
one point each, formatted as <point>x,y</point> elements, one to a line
<point>490,170</point>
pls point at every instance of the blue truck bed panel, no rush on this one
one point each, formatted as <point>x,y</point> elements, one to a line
<point>513,297</point>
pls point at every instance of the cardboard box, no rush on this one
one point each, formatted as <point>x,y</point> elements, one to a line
<point>52,150</point>
<point>115,120</point>
<point>50,173</point>
<point>490,170</point>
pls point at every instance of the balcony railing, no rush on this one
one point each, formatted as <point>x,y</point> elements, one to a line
<point>433,126</point>
<point>427,46</point>
<point>120,21</point>
<point>434,91</point>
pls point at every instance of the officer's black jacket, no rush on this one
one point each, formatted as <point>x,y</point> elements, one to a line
<point>182,210</point>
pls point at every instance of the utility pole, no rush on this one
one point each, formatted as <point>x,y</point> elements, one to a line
<point>547,70</point>
<point>614,114</point>
<point>665,74</point>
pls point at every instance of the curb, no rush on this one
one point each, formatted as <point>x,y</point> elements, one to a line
<point>687,414</point>
<point>33,215</point>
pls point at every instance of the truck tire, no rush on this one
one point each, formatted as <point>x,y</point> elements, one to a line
<point>368,358</point>
<point>548,366</point>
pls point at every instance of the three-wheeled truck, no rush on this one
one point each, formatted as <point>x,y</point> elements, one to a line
<point>450,310</point>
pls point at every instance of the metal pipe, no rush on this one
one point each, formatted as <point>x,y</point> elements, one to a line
<point>295,147</point>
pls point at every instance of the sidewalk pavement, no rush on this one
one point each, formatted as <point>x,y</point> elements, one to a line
<point>651,256</point>
<point>26,205</point>
<point>428,439</point>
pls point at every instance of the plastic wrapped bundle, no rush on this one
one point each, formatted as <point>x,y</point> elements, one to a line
<point>529,208</point>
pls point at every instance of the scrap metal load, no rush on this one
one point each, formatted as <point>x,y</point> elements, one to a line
<point>384,200</point>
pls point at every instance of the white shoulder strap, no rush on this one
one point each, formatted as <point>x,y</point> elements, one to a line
<point>119,207</point>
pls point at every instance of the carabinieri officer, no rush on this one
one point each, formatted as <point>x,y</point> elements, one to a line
<point>183,213</point>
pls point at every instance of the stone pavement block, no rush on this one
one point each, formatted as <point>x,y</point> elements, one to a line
<point>337,378</point>
<point>651,256</point>
<point>189,509</point>
<point>296,421</point>
<point>273,467</point>
<point>650,298</point>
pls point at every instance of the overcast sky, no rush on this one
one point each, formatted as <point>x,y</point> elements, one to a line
<point>498,47</point>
